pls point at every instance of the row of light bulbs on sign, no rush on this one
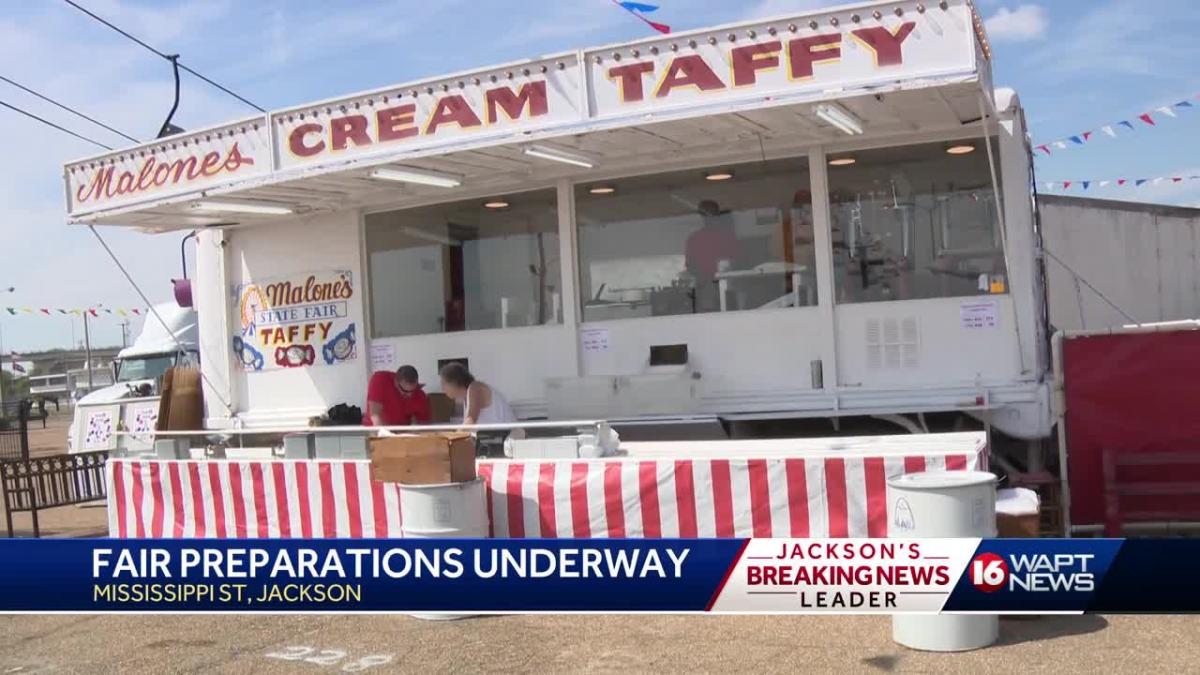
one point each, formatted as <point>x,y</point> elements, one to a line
<point>771,30</point>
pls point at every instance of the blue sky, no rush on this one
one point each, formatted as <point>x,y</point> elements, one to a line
<point>1076,63</point>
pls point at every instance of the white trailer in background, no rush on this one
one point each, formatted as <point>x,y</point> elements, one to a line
<point>539,219</point>
<point>131,401</point>
<point>1113,263</point>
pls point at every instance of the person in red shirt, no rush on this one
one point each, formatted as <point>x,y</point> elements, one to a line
<point>706,248</point>
<point>396,399</point>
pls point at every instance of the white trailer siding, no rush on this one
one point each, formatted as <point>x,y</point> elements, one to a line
<point>1142,262</point>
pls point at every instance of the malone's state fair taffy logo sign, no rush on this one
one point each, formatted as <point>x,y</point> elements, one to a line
<point>296,322</point>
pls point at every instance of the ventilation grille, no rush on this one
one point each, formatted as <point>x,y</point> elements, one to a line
<point>892,344</point>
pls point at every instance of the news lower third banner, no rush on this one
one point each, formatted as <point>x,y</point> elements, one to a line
<point>796,576</point>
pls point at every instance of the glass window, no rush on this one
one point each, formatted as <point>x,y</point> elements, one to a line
<point>697,241</point>
<point>144,367</point>
<point>465,265</point>
<point>915,222</point>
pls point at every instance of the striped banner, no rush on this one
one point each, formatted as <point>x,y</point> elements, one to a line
<point>239,499</point>
<point>822,496</point>
<point>772,497</point>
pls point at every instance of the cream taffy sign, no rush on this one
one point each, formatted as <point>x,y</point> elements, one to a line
<point>296,321</point>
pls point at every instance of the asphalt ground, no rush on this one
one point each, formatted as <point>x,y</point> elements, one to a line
<point>661,644</point>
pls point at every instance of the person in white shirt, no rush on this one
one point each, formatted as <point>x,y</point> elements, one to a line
<point>482,403</point>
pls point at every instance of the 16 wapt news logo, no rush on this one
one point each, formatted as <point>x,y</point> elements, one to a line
<point>1033,572</point>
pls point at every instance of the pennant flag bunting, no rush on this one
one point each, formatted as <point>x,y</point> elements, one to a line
<point>1110,130</point>
<point>64,311</point>
<point>1117,182</point>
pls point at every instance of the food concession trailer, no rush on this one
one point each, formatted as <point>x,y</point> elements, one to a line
<point>813,216</point>
<point>795,217</point>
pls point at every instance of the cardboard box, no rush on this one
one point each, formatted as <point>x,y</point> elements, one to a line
<point>424,459</point>
<point>441,408</point>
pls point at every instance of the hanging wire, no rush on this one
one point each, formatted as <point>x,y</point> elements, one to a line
<point>69,109</point>
<point>52,124</point>
<point>163,55</point>
<point>212,387</point>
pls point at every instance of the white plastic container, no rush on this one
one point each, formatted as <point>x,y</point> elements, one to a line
<point>943,504</point>
<point>443,511</point>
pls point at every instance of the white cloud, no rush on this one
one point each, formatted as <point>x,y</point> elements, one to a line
<point>1027,22</point>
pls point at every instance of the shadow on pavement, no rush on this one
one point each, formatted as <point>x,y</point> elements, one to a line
<point>1014,631</point>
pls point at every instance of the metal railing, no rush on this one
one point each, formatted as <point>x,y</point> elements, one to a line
<point>30,485</point>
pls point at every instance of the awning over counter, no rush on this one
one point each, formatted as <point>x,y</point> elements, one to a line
<point>872,70</point>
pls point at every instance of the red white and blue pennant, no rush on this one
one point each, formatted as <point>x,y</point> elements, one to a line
<point>640,9</point>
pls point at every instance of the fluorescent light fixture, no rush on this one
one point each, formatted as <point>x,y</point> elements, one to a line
<point>418,176</point>
<point>496,204</point>
<point>556,155</point>
<point>842,161</point>
<point>840,117</point>
<point>718,175</point>
<point>259,208</point>
<point>961,149</point>
<point>429,236</point>
<point>602,189</point>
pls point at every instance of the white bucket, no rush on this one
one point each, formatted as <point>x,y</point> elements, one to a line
<point>943,504</point>
<point>443,511</point>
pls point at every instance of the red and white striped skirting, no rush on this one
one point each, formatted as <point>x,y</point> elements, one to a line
<point>823,496</point>
<point>771,497</point>
<point>238,499</point>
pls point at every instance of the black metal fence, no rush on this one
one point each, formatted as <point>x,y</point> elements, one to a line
<point>46,482</point>
<point>14,431</point>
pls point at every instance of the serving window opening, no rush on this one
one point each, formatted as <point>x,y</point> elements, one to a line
<point>690,242</point>
<point>915,222</point>
<point>467,265</point>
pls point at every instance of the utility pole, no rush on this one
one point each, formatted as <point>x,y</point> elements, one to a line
<point>10,289</point>
<point>87,349</point>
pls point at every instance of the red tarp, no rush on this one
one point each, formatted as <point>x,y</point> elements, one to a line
<point>1134,392</point>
